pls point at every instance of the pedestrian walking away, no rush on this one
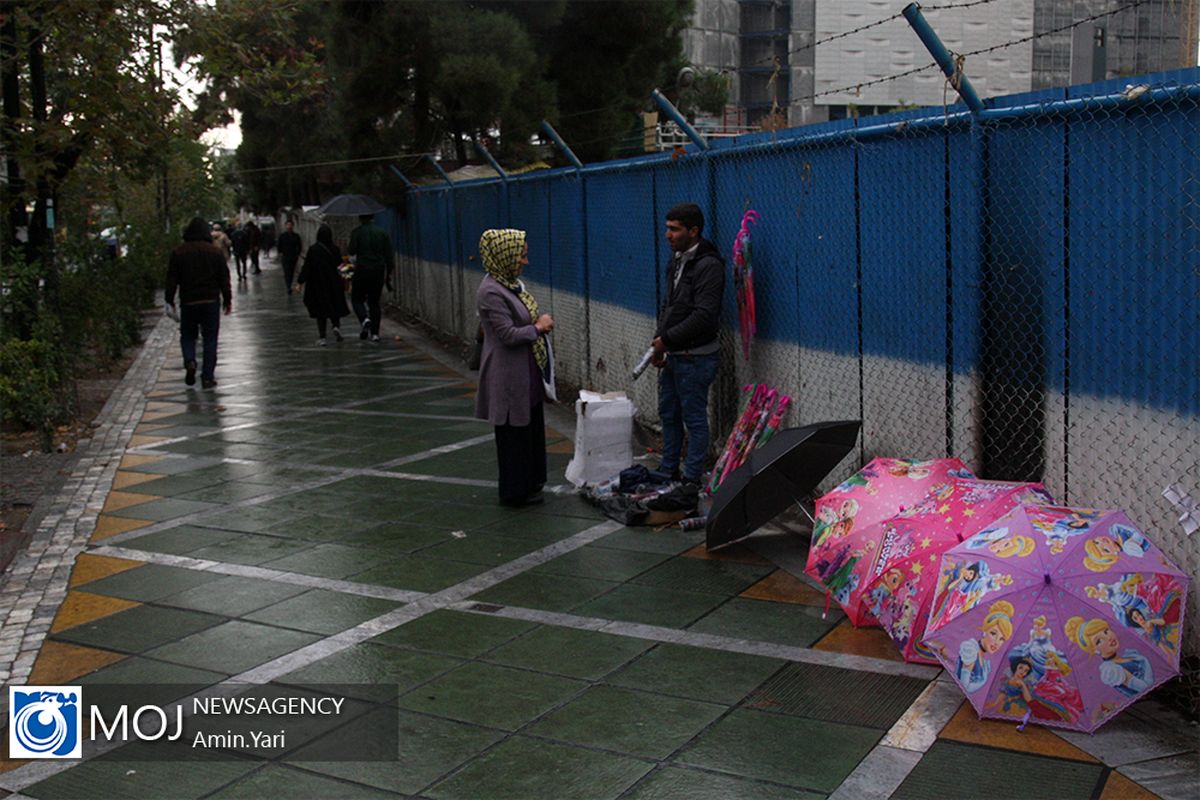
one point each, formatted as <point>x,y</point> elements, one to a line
<point>289,253</point>
<point>374,261</point>
<point>201,274</point>
<point>241,249</point>
<point>686,347</point>
<point>222,241</point>
<point>254,242</point>
<point>514,359</point>
<point>324,296</point>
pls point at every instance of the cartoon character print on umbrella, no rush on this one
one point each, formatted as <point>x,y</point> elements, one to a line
<point>1001,543</point>
<point>1124,669</point>
<point>1035,682</point>
<point>1058,524</point>
<point>837,573</point>
<point>831,524</point>
<point>962,586</point>
<point>1103,551</point>
<point>1148,607</point>
<point>973,667</point>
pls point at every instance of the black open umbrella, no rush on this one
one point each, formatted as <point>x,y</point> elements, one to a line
<point>350,205</point>
<point>785,469</point>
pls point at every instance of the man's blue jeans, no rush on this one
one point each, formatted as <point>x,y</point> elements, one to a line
<point>205,319</point>
<point>683,402</point>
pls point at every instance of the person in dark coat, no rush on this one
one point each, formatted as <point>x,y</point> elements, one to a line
<point>515,357</point>
<point>686,349</point>
<point>289,253</point>
<point>254,242</point>
<point>324,296</point>
<point>374,262</point>
<point>241,249</point>
<point>201,274</point>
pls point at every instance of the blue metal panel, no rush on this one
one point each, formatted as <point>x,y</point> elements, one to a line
<point>530,202</point>
<point>479,207</point>
<point>901,182</point>
<point>966,196</point>
<point>435,223</point>
<point>566,224</point>
<point>621,247</point>
<point>1135,285</point>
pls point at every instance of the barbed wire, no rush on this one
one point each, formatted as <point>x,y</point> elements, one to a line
<point>393,157</point>
<point>858,87</point>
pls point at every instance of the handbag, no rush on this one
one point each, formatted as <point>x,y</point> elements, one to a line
<point>477,352</point>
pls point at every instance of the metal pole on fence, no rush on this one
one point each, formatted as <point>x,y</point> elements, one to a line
<point>952,69</point>
<point>410,243</point>
<point>396,171</point>
<point>548,129</point>
<point>673,112</point>
<point>483,151</point>
<point>439,169</point>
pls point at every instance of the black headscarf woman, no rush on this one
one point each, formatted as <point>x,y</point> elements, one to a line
<point>324,294</point>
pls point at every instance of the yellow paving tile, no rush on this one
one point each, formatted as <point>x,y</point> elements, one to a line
<point>142,441</point>
<point>89,568</point>
<point>565,448</point>
<point>159,405</point>
<point>107,526</point>
<point>125,479</point>
<point>966,726</point>
<point>1118,787</point>
<point>782,586</point>
<point>739,554</point>
<point>846,638</point>
<point>137,460</point>
<point>150,427</point>
<point>81,607</point>
<point>59,663</point>
<point>118,500</point>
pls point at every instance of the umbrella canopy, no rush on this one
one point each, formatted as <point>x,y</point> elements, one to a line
<point>776,475</point>
<point>350,205</point>
<point>847,532</point>
<point>900,586</point>
<point>1059,615</point>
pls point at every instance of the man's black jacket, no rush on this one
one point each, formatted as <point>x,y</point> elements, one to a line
<point>289,245</point>
<point>691,312</point>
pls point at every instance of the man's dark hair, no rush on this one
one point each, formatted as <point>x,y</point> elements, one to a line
<point>197,231</point>
<point>689,214</point>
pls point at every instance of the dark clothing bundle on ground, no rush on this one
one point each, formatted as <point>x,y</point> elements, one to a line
<point>198,270</point>
<point>641,496</point>
<point>691,313</point>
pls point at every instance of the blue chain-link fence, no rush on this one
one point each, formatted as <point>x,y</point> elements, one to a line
<point>1019,288</point>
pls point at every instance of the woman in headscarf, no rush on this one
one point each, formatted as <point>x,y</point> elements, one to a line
<point>514,360</point>
<point>324,296</point>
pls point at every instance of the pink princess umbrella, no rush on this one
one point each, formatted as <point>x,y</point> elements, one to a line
<point>1058,615</point>
<point>848,528</point>
<point>901,584</point>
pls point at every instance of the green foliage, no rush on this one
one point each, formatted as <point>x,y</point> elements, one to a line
<point>34,377</point>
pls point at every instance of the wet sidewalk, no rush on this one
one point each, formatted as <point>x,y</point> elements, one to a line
<point>328,515</point>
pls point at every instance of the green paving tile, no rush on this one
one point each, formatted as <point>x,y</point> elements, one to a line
<point>588,655</point>
<point>175,466</point>
<point>368,663</point>
<point>950,769</point>
<point>699,673</point>
<point>159,510</point>
<point>229,492</point>
<point>233,647</point>
<point>868,699</point>
<point>567,505</point>
<point>544,527</point>
<point>774,747</point>
<point>650,605</point>
<point>522,769</point>
<point>148,582</point>
<point>602,563</point>
<point>455,633</point>
<point>137,629</point>
<point>322,611</point>
<point>466,518</point>
<point>647,540</point>
<point>419,574</point>
<point>178,541</point>
<point>479,547</point>
<point>677,783</point>
<point>250,519</point>
<point>548,592</point>
<point>320,527</point>
<point>232,596</point>
<point>175,485</point>
<point>329,561</point>
<point>138,780</point>
<point>429,749</point>
<point>146,671</point>
<point>396,537</point>
<point>627,721</point>
<point>250,549</point>
<point>280,781</point>
<point>701,575</point>
<point>761,620</point>
<point>485,694</point>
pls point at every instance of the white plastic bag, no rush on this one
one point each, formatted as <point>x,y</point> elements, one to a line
<point>603,437</point>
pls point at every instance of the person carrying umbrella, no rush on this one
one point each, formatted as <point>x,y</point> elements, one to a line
<point>374,261</point>
<point>686,347</point>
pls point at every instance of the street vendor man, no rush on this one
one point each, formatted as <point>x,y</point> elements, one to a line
<point>686,344</point>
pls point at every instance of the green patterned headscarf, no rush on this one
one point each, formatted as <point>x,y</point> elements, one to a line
<point>501,250</point>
